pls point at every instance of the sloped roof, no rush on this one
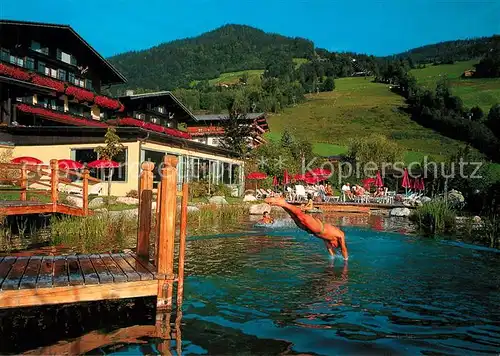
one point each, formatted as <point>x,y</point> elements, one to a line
<point>218,117</point>
<point>110,75</point>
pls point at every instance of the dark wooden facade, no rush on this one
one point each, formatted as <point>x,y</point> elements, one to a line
<point>50,67</point>
<point>160,108</point>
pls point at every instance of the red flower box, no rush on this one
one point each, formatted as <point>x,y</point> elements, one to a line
<point>105,102</point>
<point>59,116</point>
<point>13,72</point>
<point>48,82</point>
<point>128,121</point>
<point>80,94</point>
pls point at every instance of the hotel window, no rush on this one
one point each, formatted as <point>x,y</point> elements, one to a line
<point>79,82</point>
<point>71,77</point>
<point>235,174</point>
<point>5,55</point>
<point>88,84</point>
<point>36,46</point>
<point>160,109</point>
<point>140,116</point>
<point>41,67</point>
<point>61,75</point>
<point>226,176</point>
<point>63,56</point>
<point>30,63</point>
<point>86,155</point>
<point>20,62</point>
<point>13,59</point>
<point>154,120</point>
<point>50,72</point>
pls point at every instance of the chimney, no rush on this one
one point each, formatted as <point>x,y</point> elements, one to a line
<point>129,92</point>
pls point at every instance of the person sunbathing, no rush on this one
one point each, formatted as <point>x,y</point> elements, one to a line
<point>309,204</point>
<point>332,236</point>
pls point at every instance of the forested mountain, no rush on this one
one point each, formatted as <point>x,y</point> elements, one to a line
<point>226,49</point>
<point>451,51</point>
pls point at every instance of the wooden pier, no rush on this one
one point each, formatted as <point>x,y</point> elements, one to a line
<point>41,180</point>
<point>40,280</point>
<point>351,207</point>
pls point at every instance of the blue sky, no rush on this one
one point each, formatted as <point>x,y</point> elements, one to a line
<point>374,27</point>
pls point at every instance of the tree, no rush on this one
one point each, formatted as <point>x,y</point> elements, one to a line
<point>112,148</point>
<point>286,139</point>
<point>476,114</point>
<point>375,148</point>
<point>328,84</point>
<point>493,120</point>
<point>237,132</point>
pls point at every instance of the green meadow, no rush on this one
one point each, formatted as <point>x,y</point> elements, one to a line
<point>483,92</point>
<point>358,107</point>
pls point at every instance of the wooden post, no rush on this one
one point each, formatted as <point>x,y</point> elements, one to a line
<point>24,182</point>
<point>54,180</point>
<point>165,258</point>
<point>182,244</point>
<point>145,200</point>
<point>85,192</point>
<point>157,224</point>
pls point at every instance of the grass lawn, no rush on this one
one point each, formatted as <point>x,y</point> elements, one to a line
<point>357,107</point>
<point>483,92</point>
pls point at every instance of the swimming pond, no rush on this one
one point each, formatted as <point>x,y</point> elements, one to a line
<point>276,291</point>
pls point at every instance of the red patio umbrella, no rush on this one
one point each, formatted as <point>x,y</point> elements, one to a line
<point>104,163</point>
<point>256,176</point>
<point>275,181</point>
<point>301,177</point>
<point>406,181</point>
<point>69,164</point>
<point>286,178</point>
<point>422,184</point>
<point>367,182</point>
<point>378,180</point>
<point>26,159</point>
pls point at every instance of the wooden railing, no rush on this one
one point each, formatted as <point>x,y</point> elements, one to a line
<point>165,229</point>
<point>44,180</point>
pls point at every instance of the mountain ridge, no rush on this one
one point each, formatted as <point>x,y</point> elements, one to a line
<point>237,47</point>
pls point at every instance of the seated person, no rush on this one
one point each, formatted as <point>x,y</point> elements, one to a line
<point>346,189</point>
<point>328,189</point>
<point>266,218</point>
<point>309,204</point>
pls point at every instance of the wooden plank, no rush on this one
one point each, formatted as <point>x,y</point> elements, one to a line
<point>131,274</point>
<point>94,340</point>
<point>46,272</point>
<point>61,277</point>
<point>15,274</point>
<point>74,271</point>
<point>5,266</point>
<point>136,264</point>
<point>115,271</point>
<point>26,209</point>
<point>73,294</point>
<point>101,269</point>
<point>89,274</point>
<point>31,273</point>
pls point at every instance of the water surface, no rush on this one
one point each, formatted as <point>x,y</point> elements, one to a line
<point>276,291</point>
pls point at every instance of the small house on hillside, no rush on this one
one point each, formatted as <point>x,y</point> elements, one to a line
<point>468,73</point>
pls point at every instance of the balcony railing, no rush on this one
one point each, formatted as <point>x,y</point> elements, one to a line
<point>128,121</point>
<point>80,94</point>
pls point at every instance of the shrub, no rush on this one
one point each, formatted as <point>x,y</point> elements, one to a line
<point>133,193</point>
<point>198,189</point>
<point>221,189</point>
<point>434,217</point>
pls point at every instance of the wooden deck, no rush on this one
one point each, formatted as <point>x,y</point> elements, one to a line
<point>20,207</point>
<point>37,280</point>
<point>351,207</point>
<point>40,280</point>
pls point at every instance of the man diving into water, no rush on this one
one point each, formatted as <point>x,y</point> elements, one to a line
<point>332,236</point>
